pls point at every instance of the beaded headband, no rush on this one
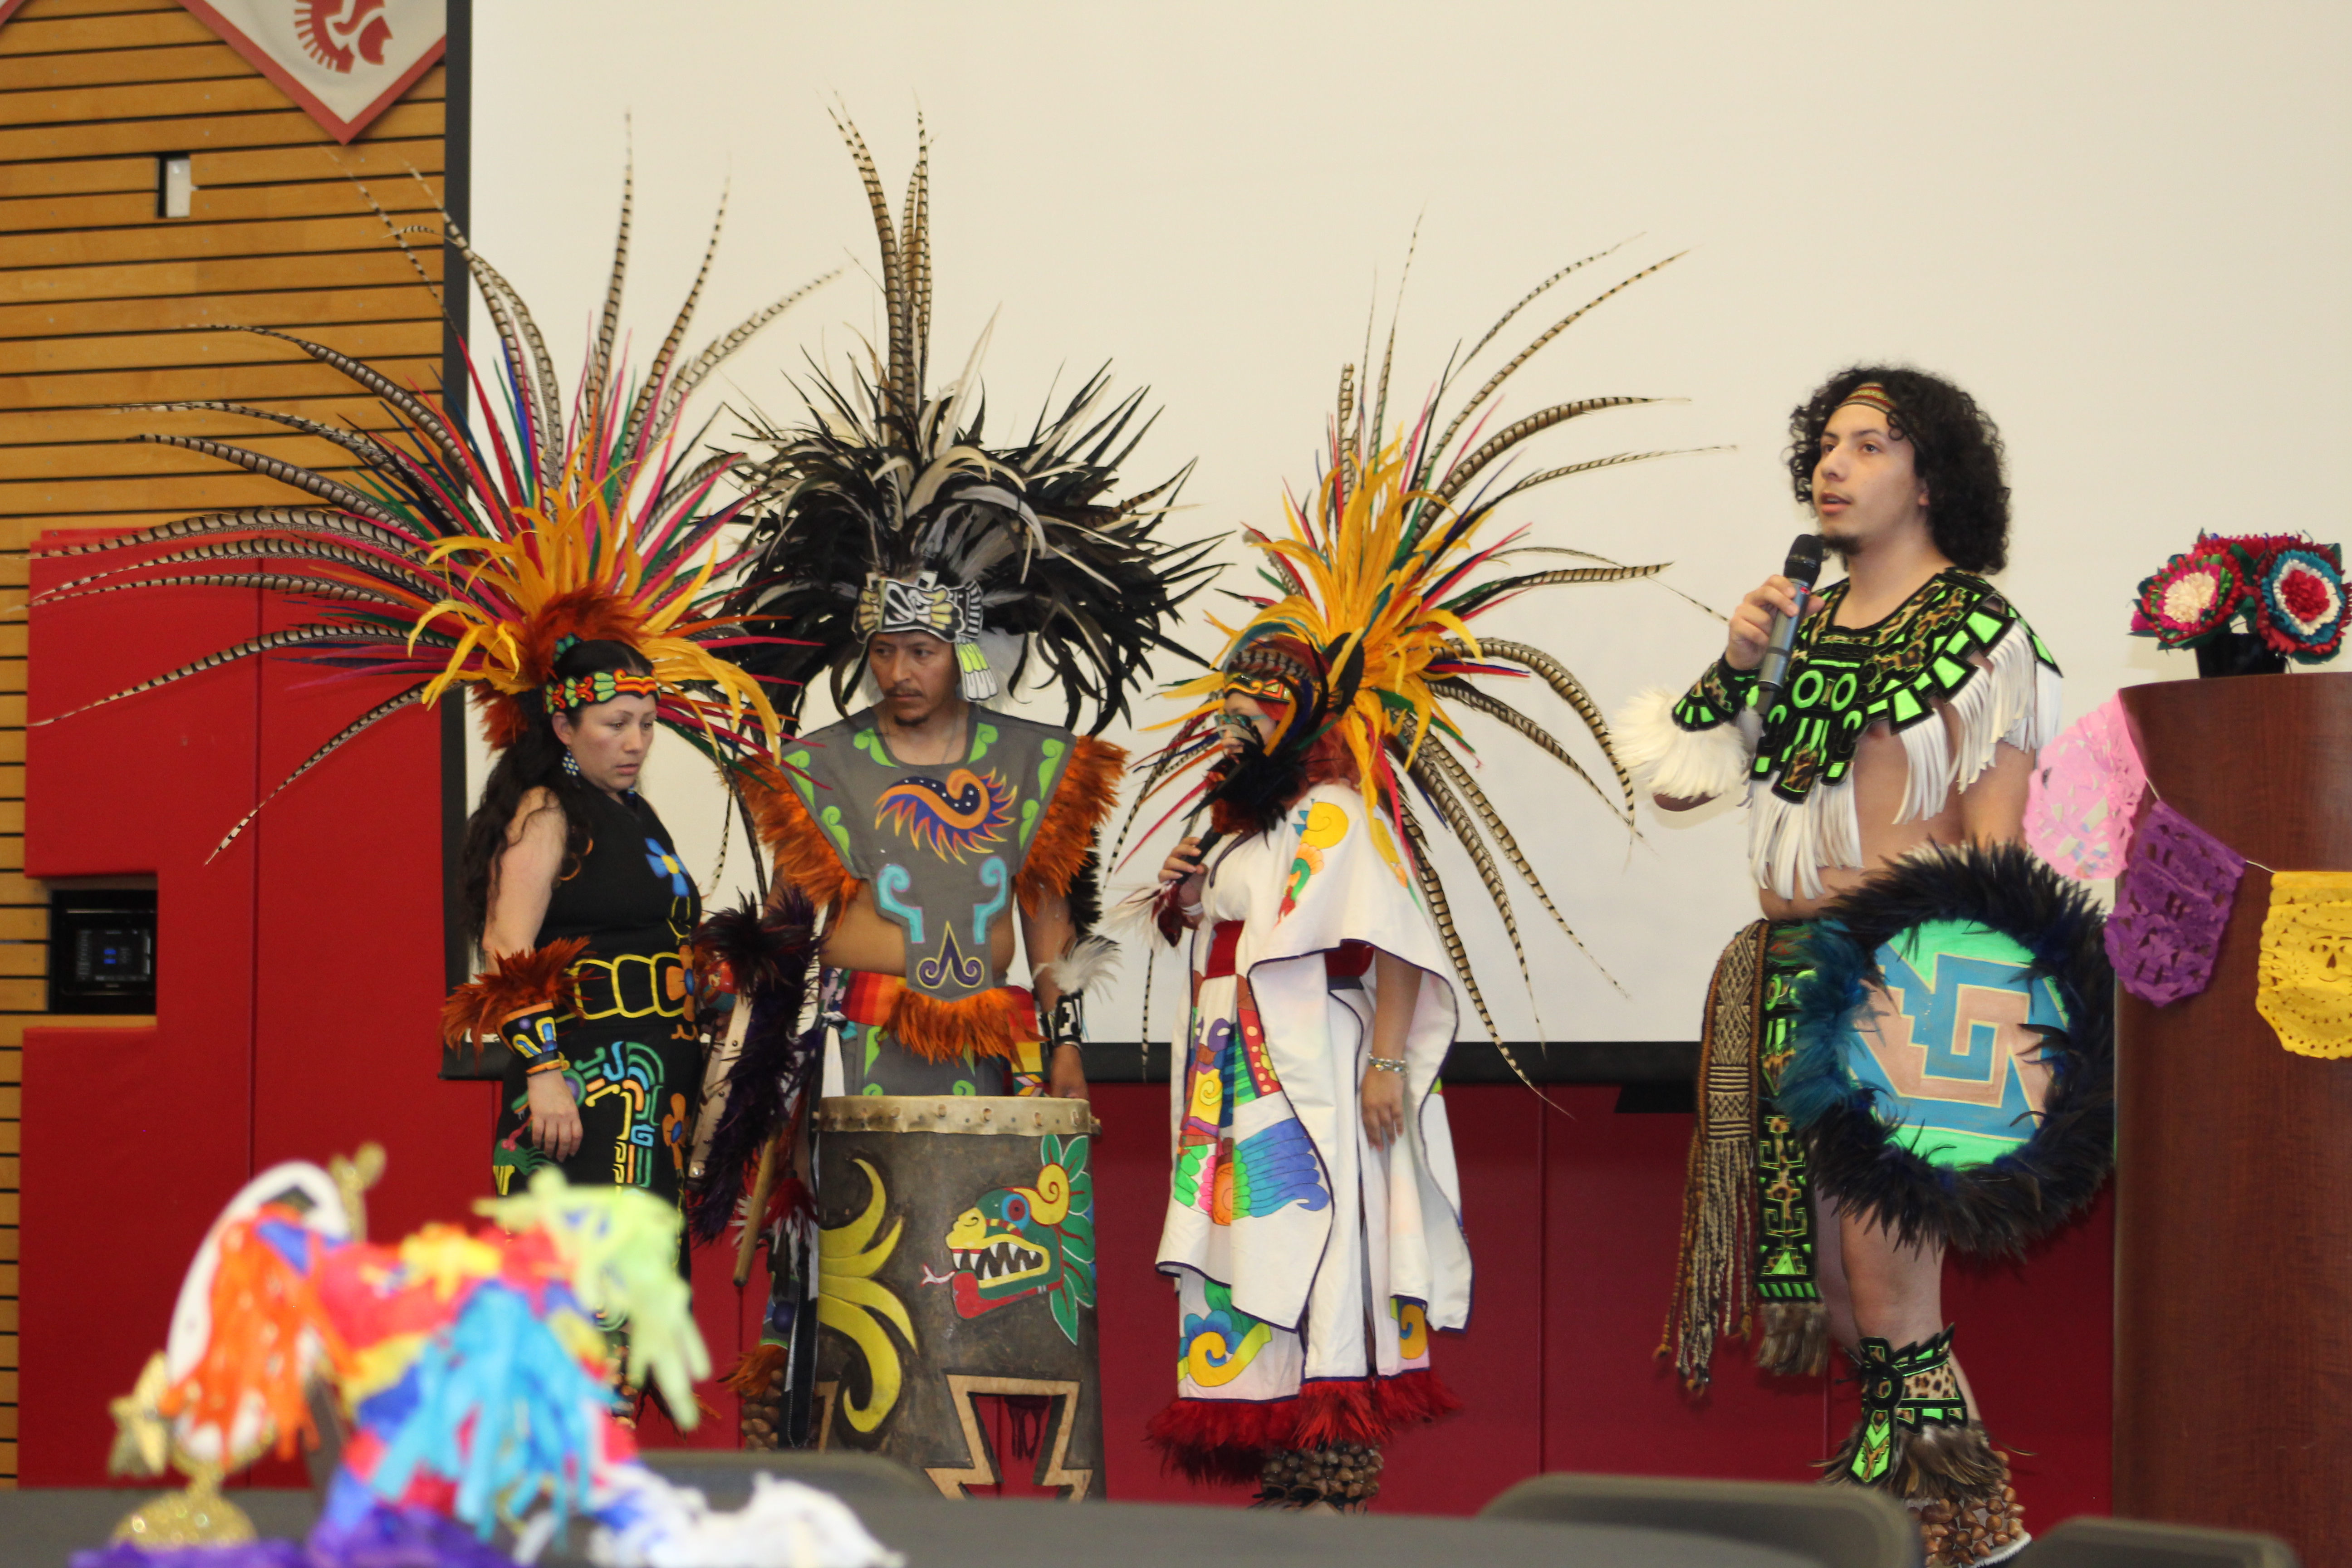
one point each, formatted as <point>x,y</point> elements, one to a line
<point>1870,395</point>
<point>601,687</point>
<point>1265,669</point>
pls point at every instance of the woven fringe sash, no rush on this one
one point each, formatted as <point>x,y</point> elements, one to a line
<point>1795,1337</point>
<point>1711,1282</point>
<point>1747,1211</point>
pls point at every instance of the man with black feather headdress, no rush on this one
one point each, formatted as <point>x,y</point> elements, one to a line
<point>905,560</point>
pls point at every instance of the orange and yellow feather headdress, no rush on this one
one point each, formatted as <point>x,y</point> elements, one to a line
<point>451,554</point>
<point>1380,580</point>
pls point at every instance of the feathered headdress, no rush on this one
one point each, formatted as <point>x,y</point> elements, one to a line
<point>1365,650</point>
<point>450,557</point>
<point>892,516</point>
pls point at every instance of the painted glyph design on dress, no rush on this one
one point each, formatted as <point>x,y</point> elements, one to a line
<point>1320,825</point>
<point>949,817</point>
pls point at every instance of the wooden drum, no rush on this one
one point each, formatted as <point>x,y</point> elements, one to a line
<point>957,1266</point>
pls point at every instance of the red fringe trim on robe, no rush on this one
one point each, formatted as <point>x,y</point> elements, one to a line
<point>1228,1439</point>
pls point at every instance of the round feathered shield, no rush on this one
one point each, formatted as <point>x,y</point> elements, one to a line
<point>1955,1062</point>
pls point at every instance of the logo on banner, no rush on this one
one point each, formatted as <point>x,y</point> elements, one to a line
<point>338,32</point>
<point>343,62</point>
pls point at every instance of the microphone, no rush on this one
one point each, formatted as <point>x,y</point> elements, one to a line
<point>1802,568</point>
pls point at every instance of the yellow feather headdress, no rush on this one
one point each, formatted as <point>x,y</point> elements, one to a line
<point>1377,584</point>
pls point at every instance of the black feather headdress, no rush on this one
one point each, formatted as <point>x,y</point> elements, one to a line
<point>892,514</point>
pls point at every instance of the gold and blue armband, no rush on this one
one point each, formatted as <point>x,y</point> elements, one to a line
<point>516,1001</point>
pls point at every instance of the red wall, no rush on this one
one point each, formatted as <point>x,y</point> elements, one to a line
<point>1573,1220</point>
<point>297,986</point>
<point>300,983</point>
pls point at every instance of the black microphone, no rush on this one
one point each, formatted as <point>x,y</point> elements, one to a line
<point>1803,568</point>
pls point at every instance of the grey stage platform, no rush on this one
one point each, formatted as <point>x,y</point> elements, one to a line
<point>41,1529</point>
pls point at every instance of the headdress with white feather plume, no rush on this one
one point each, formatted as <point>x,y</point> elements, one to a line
<point>893,515</point>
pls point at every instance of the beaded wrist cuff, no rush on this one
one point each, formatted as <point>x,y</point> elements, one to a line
<point>1717,697</point>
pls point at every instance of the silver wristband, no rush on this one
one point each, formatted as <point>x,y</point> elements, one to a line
<point>1388,1064</point>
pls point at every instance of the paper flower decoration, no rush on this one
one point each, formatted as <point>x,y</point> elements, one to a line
<point>2283,587</point>
<point>2193,596</point>
<point>2301,609</point>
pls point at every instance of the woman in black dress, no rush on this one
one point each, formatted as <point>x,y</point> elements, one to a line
<point>585,913</point>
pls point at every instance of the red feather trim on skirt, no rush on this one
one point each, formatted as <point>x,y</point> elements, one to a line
<point>1228,1439</point>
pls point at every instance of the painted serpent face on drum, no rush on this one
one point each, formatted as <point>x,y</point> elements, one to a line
<point>1019,1242</point>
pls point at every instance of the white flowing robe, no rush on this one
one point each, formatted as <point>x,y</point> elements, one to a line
<point>1301,1252</point>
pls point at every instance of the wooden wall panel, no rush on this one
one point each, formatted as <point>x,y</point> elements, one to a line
<point>96,292</point>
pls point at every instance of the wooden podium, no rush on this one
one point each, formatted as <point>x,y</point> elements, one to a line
<point>2233,1213</point>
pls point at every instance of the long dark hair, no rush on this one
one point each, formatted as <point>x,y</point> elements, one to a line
<point>1954,448</point>
<point>534,762</point>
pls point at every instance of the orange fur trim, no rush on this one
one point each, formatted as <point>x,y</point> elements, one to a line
<point>1083,801</point>
<point>983,1023</point>
<point>519,983</point>
<point>804,858</point>
<point>755,1370</point>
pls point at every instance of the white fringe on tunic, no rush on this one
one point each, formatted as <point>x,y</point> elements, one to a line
<point>2013,697</point>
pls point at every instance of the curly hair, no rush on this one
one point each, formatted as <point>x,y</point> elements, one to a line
<point>535,761</point>
<point>1955,446</point>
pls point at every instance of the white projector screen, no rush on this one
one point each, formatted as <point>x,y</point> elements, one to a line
<point>2123,227</point>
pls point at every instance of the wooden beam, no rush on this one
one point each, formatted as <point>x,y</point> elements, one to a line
<point>49,427</point>
<point>188,493</point>
<point>292,127</point>
<point>46,10</point>
<point>240,203</point>
<point>186,239</point>
<point>176,62</point>
<point>373,160</point>
<point>244,93</point>
<point>242,384</point>
<point>383,264</point>
<point>69,179</point>
<point>121,457</point>
<point>69,36</point>
<point>136,208</point>
<point>288,308</point>
<point>367,340</point>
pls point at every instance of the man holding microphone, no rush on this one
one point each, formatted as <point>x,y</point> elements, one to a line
<point>1863,1107</point>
